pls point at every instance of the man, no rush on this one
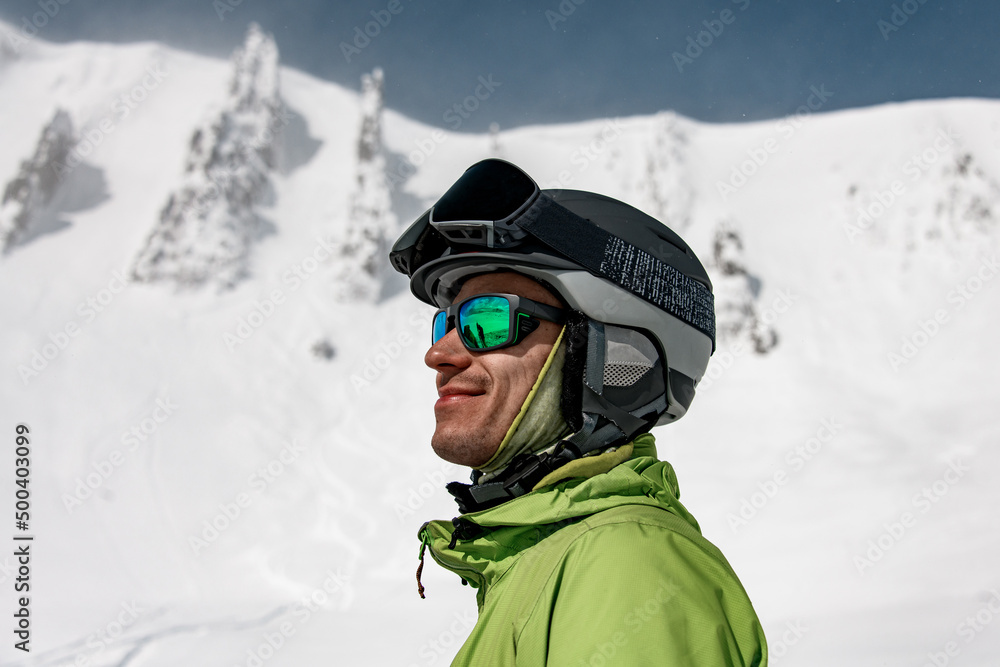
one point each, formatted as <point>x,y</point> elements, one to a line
<point>570,324</point>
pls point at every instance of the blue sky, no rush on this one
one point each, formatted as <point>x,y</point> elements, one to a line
<point>556,60</point>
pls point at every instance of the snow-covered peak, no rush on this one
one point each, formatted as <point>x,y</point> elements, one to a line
<point>254,80</point>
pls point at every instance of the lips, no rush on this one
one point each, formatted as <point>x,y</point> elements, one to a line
<point>455,395</point>
<point>449,390</point>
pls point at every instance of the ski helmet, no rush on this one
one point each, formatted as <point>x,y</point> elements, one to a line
<point>644,324</point>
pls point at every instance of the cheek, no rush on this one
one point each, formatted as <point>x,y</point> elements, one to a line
<point>524,376</point>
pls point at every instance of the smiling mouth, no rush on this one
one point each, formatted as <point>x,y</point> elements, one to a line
<point>456,398</point>
<point>459,395</point>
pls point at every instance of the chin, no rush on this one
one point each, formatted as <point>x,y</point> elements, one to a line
<point>463,449</point>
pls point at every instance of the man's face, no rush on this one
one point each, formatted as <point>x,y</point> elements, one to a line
<point>481,392</point>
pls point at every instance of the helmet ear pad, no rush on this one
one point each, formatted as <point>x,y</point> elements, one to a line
<point>575,342</point>
<point>626,384</point>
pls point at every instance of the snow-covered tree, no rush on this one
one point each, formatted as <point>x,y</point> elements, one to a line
<point>209,223</point>
<point>37,180</point>
<point>371,225</point>
<point>970,201</point>
<point>666,188</point>
<point>736,290</point>
<point>946,198</point>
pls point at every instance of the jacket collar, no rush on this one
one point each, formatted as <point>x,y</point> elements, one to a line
<point>481,546</point>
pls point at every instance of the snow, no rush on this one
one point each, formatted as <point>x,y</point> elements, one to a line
<point>190,407</point>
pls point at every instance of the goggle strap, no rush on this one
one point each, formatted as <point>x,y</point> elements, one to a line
<point>622,263</point>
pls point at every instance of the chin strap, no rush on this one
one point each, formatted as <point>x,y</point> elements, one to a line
<point>526,470</point>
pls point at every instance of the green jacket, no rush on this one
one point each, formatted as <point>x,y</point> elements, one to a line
<point>603,570</point>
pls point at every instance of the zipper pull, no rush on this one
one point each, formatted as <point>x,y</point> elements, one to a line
<point>424,539</point>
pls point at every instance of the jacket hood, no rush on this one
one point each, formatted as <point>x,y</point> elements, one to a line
<point>481,546</point>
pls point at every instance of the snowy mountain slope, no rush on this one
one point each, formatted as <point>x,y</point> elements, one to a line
<point>255,487</point>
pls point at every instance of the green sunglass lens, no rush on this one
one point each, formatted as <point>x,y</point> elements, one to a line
<point>484,321</point>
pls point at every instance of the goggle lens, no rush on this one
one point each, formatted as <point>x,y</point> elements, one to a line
<point>488,190</point>
<point>484,321</point>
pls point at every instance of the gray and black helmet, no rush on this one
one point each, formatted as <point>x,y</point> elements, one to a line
<point>644,326</point>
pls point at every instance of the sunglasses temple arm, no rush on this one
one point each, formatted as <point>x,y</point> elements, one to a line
<point>545,312</point>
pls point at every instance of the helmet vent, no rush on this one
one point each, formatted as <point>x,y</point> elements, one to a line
<point>629,355</point>
<point>624,374</point>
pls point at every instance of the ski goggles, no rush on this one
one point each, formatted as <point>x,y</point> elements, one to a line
<point>491,321</point>
<point>483,208</point>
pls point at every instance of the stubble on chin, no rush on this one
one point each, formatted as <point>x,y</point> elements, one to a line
<point>464,447</point>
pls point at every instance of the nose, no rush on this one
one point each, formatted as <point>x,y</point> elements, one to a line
<point>448,354</point>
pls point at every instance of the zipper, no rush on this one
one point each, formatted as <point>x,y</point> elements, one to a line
<point>425,541</point>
